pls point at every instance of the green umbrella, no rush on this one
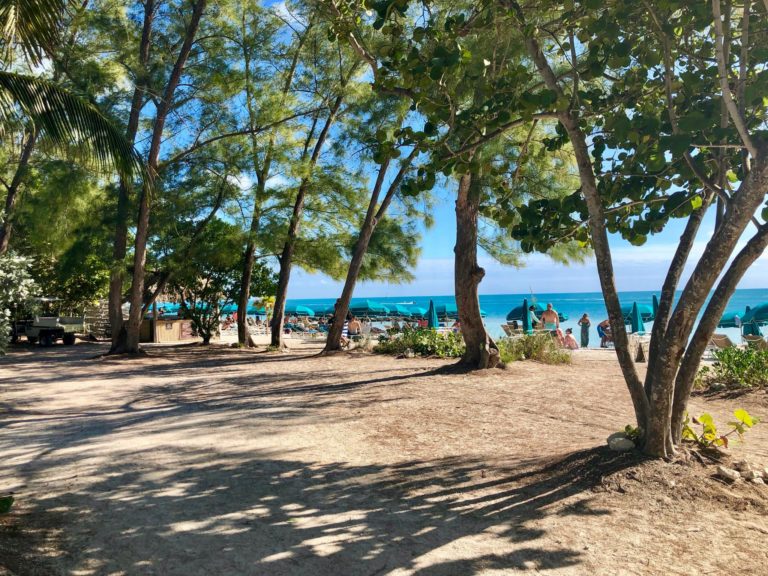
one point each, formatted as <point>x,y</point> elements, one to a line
<point>646,312</point>
<point>418,312</point>
<point>637,320</point>
<point>751,329</point>
<point>400,310</point>
<point>526,318</point>
<point>432,316</point>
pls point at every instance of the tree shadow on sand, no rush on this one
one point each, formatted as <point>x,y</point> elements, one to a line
<point>240,514</point>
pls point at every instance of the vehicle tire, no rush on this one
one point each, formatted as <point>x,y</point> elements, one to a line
<point>32,339</point>
<point>68,339</point>
<point>46,340</point>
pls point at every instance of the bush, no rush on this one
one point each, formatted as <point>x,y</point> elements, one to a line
<point>736,368</point>
<point>16,292</point>
<point>424,342</point>
<point>540,347</point>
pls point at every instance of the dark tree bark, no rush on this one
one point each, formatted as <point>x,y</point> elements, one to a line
<point>142,227</point>
<point>708,324</point>
<point>481,350</point>
<point>286,257</point>
<point>120,244</point>
<point>14,188</point>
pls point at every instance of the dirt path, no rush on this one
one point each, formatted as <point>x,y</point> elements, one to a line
<point>220,461</point>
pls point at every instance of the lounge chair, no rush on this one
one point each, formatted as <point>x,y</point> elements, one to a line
<point>507,329</point>
<point>719,342</point>
<point>755,342</point>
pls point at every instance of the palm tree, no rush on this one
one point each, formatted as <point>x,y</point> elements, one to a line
<point>65,118</point>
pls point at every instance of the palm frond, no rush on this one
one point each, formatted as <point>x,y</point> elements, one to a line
<point>69,121</point>
<point>32,24</point>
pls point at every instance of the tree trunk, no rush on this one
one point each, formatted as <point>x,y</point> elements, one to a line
<point>142,226</point>
<point>333,342</point>
<point>286,257</point>
<point>120,244</point>
<point>708,324</point>
<point>6,224</point>
<point>481,351</point>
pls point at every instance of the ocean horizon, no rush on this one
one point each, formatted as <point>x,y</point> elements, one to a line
<point>573,304</point>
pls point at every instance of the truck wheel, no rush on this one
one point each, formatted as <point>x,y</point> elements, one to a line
<point>32,339</point>
<point>46,340</point>
<point>68,339</point>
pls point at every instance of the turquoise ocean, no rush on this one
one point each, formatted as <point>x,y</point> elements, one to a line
<point>496,306</point>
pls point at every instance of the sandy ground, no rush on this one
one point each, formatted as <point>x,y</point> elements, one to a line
<point>220,461</point>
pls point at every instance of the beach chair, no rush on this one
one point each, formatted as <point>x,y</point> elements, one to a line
<point>755,342</point>
<point>719,342</point>
<point>507,329</point>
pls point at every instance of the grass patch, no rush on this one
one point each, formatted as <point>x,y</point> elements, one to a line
<point>539,347</point>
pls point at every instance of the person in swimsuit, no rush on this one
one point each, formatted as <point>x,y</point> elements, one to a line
<point>604,331</point>
<point>585,324</point>
<point>569,341</point>
<point>550,318</point>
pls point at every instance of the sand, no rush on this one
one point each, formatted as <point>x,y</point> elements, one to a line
<point>196,460</point>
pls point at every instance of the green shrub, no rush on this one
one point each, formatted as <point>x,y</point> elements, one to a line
<point>423,342</point>
<point>709,435</point>
<point>540,347</point>
<point>736,368</point>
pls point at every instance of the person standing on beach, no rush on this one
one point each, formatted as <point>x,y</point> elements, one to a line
<point>550,318</point>
<point>585,324</point>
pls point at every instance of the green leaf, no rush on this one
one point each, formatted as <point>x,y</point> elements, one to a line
<point>744,417</point>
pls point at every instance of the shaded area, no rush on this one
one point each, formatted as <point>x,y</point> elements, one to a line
<point>270,516</point>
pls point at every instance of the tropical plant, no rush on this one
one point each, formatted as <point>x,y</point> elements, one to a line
<point>736,368</point>
<point>709,435</point>
<point>538,347</point>
<point>423,342</point>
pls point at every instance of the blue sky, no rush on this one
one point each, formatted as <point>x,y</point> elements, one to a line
<point>636,268</point>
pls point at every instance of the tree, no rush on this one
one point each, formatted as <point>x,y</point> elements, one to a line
<point>680,132</point>
<point>209,278</point>
<point>65,119</point>
<point>459,71</point>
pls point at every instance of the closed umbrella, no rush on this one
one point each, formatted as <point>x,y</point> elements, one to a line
<point>432,321</point>
<point>526,318</point>
<point>636,320</point>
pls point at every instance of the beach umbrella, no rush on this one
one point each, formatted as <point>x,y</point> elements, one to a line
<point>447,311</point>
<point>655,306</point>
<point>400,310</point>
<point>646,312</point>
<point>750,329</point>
<point>368,308</point>
<point>636,320</point>
<point>526,318</point>
<point>432,321</point>
<point>728,320</point>
<point>299,310</point>
<point>418,312</point>
<point>253,311</point>
<point>758,314</point>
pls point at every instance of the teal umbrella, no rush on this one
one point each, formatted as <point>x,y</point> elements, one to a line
<point>646,312</point>
<point>368,308</point>
<point>418,312</point>
<point>655,306</point>
<point>445,311</point>
<point>299,310</point>
<point>728,320</point>
<point>751,329</point>
<point>636,320</point>
<point>323,309</point>
<point>400,310</point>
<point>758,314</point>
<point>432,321</point>
<point>526,318</point>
